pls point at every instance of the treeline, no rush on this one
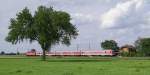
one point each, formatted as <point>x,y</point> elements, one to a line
<point>141,47</point>
<point>11,53</point>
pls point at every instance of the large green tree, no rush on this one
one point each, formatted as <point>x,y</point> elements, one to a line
<point>143,46</point>
<point>47,26</point>
<point>110,44</point>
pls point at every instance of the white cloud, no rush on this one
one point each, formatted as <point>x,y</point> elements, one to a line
<point>121,10</point>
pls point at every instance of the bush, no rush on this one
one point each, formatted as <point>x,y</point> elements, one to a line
<point>129,54</point>
<point>125,54</point>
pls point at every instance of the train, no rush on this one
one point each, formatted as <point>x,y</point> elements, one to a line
<point>73,53</point>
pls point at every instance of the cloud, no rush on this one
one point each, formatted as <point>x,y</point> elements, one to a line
<point>124,13</point>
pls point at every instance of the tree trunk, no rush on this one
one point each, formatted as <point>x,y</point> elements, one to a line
<point>44,52</point>
<point>44,56</point>
<point>45,48</point>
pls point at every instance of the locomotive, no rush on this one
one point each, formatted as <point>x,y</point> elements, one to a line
<point>73,53</point>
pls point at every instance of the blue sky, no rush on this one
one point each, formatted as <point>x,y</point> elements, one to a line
<point>121,20</point>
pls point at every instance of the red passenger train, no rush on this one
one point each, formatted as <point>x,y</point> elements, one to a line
<point>73,53</point>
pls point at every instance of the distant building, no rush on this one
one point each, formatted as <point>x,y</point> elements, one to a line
<point>128,49</point>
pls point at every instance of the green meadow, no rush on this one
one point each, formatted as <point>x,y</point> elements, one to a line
<point>74,66</point>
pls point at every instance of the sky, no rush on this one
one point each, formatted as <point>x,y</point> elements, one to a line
<point>97,20</point>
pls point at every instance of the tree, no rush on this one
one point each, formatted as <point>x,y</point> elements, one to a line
<point>2,53</point>
<point>47,26</point>
<point>143,46</point>
<point>110,44</point>
<point>18,53</point>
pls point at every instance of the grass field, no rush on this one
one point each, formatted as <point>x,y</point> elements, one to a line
<point>74,66</point>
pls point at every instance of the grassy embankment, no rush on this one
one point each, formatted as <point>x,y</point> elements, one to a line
<point>74,66</point>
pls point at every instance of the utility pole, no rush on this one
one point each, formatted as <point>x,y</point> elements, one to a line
<point>89,46</point>
<point>77,47</point>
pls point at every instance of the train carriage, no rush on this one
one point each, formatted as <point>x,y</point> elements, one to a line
<point>74,53</point>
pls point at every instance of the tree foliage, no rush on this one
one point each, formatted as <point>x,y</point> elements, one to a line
<point>143,46</point>
<point>2,53</point>
<point>47,26</point>
<point>110,44</point>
